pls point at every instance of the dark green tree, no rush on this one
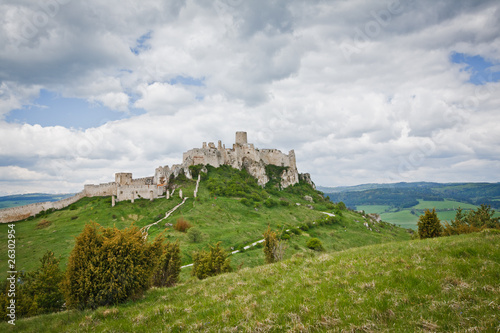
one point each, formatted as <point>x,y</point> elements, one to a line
<point>429,225</point>
<point>108,266</point>
<point>168,266</point>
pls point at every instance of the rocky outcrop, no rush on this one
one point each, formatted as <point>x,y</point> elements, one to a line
<point>305,177</point>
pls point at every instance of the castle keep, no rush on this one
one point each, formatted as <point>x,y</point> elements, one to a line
<point>242,155</point>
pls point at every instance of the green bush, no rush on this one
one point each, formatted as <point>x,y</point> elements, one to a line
<point>270,243</point>
<point>304,227</point>
<point>210,263</point>
<point>194,235</point>
<point>108,266</point>
<point>269,203</point>
<point>284,203</point>
<point>315,244</point>
<point>429,225</point>
<point>38,292</point>
<point>168,267</point>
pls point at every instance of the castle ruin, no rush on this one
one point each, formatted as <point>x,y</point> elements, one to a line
<point>242,155</point>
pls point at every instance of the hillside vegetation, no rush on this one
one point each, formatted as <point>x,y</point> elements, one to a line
<point>440,284</point>
<point>237,217</point>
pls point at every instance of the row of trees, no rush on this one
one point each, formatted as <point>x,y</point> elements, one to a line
<point>430,226</point>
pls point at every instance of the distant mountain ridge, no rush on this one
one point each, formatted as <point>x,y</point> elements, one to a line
<point>407,194</point>
<point>26,199</point>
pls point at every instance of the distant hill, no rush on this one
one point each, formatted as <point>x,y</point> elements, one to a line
<point>26,199</point>
<point>402,203</point>
<point>405,195</point>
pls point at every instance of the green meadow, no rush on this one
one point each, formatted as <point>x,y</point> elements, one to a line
<point>448,284</point>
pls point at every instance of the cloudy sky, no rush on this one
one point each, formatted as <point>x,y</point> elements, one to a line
<point>364,91</point>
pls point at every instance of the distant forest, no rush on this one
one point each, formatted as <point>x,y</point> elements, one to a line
<point>405,195</point>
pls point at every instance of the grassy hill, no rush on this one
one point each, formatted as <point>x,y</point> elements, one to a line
<point>443,284</point>
<point>227,218</point>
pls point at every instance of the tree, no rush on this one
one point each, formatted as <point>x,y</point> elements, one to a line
<point>108,266</point>
<point>429,225</point>
<point>210,263</point>
<point>274,248</point>
<point>270,243</point>
<point>43,286</point>
<point>168,267</point>
<point>472,221</point>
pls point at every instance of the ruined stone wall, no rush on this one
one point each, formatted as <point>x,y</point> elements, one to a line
<point>101,190</point>
<point>275,157</point>
<point>22,212</point>
<point>127,192</point>
<point>142,181</point>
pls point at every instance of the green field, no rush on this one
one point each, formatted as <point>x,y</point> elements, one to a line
<point>404,217</point>
<point>448,284</point>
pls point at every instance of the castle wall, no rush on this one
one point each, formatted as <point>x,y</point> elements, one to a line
<point>127,192</point>
<point>101,190</point>
<point>22,212</point>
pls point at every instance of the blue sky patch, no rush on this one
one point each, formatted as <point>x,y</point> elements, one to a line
<point>481,70</point>
<point>142,44</point>
<point>188,81</point>
<point>50,109</point>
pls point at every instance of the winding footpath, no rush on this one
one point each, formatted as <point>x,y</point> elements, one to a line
<point>146,228</point>
<point>255,243</point>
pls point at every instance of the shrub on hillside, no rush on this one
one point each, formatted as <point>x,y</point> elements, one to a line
<point>274,248</point>
<point>43,224</point>
<point>39,291</point>
<point>472,221</point>
<point>182,225</point>
<point>168,266</point>
<point>429,225</point>
<point>210,263</point>
<point>194,235</point>
<point>269,203</point>
<point>315,244</point>
<point>108,266</point>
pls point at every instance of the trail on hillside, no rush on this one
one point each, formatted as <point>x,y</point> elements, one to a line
<point>255,243</point>
<point>146,228</point>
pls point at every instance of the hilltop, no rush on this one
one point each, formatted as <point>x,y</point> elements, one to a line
<point>236,219</point>
<point>440,284</point>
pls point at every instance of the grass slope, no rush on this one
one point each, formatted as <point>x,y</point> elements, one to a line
<point>223,219</point>
<point>443,284</point>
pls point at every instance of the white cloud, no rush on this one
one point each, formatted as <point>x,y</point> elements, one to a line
<point>396,110</point>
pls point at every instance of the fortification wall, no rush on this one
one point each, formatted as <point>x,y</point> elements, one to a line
<point>101,190</point>
<point>22,212</point>
<point>127,192</point>
<point>275,157</point>
<point>142,181</point>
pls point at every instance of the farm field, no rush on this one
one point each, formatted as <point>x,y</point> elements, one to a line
<point>408,217</point>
